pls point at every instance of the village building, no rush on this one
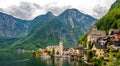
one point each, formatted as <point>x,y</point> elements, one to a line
<point>84,53</point>
<point>78,49</point>
<point>99,48</point>
<point>116,36</point>
<point>114,31</point>
<point>116,48</point>
<point>65,51</point>
<point>72,51</point>
<point>57,48</point>
<point>94,34</point>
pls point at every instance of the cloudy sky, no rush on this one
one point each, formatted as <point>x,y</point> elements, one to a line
<point>29,9</point>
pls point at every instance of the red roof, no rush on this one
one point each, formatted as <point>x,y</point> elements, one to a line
<point>117,36</point>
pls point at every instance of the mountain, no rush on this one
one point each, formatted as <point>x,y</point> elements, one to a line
<point>69,26</point>
<point>12,27</point>
<point>6,42</point>
<point>39,21</point>
<point>112,19</point>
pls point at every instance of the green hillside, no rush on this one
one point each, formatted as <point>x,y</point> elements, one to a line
<point>6,42</point>
<point>112,19</point>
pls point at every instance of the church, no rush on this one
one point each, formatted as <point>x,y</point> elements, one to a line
<point>57,48</point>
<point>94,34</point>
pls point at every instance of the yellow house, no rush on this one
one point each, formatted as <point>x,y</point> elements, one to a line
<point>99,49</point>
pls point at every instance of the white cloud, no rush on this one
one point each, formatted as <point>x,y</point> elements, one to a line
<point>37,7</point>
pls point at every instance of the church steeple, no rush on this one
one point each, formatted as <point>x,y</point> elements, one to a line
<point>61,47</point>
<point>94,27</point>
<point>61,42</point>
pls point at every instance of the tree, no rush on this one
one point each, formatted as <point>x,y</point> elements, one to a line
<point>89,55</point>
<point>53,51</point>
<point>118,58</point>
<point>80,56</point>
<point>97,61</point>
<point>90,45</point>
<point>111,49</point>
<point>111,56</point>
<point>38,52</point>
<point>118,55</point>
<point>83,40</point>
<point>49,52</point>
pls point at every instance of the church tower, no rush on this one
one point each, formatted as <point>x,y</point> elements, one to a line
<point>61,47</point>
<point>94,27</point>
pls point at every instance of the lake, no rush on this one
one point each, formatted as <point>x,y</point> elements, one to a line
<point>27,59</point>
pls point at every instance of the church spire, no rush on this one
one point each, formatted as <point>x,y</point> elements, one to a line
<point>61,42</point>
<point>94,27</point>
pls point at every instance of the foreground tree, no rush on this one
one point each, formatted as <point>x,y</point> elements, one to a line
<point>97,61</point>
<point>89,55</point>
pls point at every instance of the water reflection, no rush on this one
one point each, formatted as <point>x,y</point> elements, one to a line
<point>27,59</point>
<point>63,62</point>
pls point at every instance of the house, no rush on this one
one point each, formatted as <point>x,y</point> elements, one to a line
<point>94,34</point>
<point>78,49</point>
<point>72,51</point>
<point>99,48</point>
<point>84,53</point>
<point>65,51</point>
<point>57,48</point>
<point>114,31</point>
<point>114,40</point>
<point>116,36</point>
<point>116,48</point>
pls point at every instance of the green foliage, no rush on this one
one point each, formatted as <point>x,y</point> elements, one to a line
<point>114,60</point>
<point>80,56</point>
<point>116,4</point>
<point>118,58</point>
<point>83,39</point>
<point>37,52</point>
<point>89,55</point>
<point>6,42</point>
<point>118,55</point>
<point>90,45</point>
<point>111,49</point>
<point>53,51</point>
<point>111,20</point>
<point>97,61</point>
<point>49,52</point>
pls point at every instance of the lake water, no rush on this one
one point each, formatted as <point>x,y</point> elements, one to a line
<point>27,59</point>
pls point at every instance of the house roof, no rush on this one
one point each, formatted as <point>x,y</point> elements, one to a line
<point>65,49</point>
<point>116,47</point>
<point>114,31</point>
<point>117,36</point>
<point>78,48</point>
<point>100,45</point>
<point>97,33</point>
